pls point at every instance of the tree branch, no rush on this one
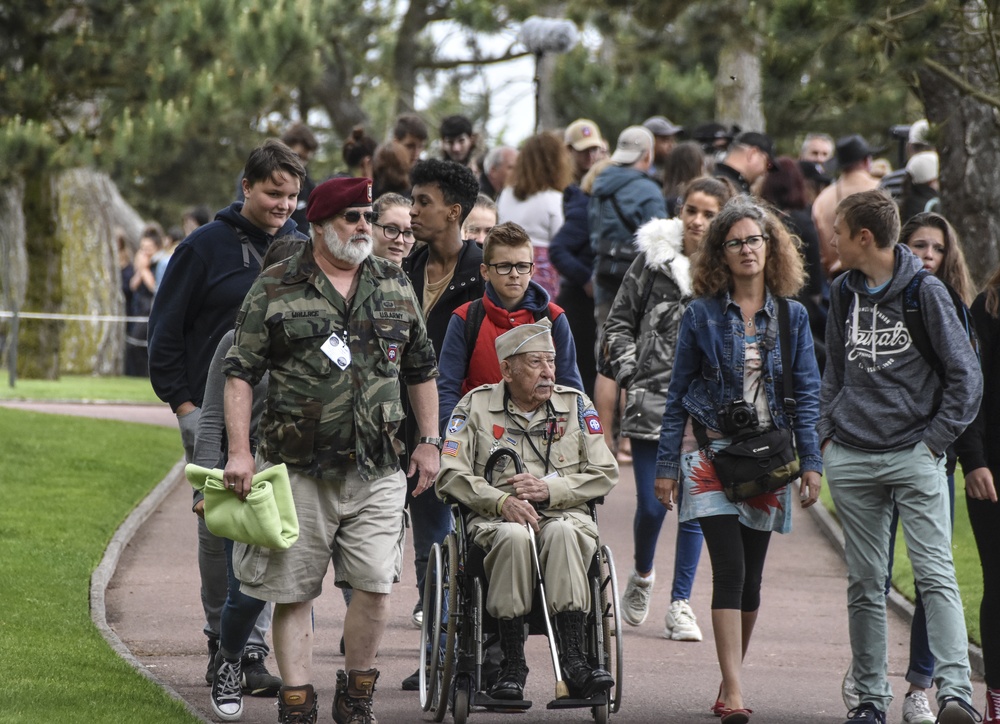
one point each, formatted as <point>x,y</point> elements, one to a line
<point>459,62</point>
<point>964,86</point>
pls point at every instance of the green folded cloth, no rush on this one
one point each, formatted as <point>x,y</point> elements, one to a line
<point>267,517</point>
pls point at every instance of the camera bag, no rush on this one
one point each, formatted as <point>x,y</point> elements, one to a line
<point>762,462</point>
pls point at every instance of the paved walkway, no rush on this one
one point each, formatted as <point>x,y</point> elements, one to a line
<point>792,674</point>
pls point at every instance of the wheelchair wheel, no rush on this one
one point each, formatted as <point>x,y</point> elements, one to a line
<point>460,709</point>
<point>611,623</point>
<point>430,628</point>
<point>452,584</point>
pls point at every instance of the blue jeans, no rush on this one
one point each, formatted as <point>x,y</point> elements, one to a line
<point>240,615</point>
<point>921,669</point>
<point>430,522</point>
<point>864,486</point>
<point>649,515</point>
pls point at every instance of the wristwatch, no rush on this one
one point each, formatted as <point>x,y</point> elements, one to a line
<point>435,441</point>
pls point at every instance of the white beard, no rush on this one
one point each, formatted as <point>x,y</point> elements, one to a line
<point>353,251</point>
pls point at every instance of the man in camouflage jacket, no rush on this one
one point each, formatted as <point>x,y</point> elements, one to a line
<point>336,328</point>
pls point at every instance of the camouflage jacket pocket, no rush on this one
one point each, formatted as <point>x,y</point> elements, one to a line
<point>392,336</point>
<point>289,431</point>
<point>305,338</point>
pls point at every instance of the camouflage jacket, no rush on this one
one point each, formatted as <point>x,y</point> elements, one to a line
<point>319,417</point>
<point>567,431</point>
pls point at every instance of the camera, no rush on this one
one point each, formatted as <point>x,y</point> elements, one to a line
<point>737,416</point>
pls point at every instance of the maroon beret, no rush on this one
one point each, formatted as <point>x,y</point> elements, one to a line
<point>333,196</point>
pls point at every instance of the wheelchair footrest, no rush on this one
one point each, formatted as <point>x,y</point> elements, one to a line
<point>488,702</point>
<point>570,703</point>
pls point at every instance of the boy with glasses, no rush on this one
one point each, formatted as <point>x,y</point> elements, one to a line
<point>468,358</point>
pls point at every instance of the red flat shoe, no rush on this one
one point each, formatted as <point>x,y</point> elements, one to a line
<point>736,716</point>
<point>719,707</point>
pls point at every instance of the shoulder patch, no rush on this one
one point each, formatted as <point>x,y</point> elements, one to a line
<point>593,423</point>
<point>456,424</point>
<point>450,448</point>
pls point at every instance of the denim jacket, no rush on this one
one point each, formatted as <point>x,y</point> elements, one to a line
<point>708,374</point>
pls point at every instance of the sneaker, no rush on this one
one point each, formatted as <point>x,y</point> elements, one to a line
<point>680,623</point>
<point>227,697</point>
<point>865,712</point>
<point>992,706</point>
<point>412,682</point>
<point>635,601</point>
<point>417,617</point>
<point>257,680</point>
<point>213,649</point>
<point>955,711</point>
<point>916,709</point>
<point>849,690</point>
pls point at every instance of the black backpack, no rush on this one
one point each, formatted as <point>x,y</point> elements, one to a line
<point>914,320</point>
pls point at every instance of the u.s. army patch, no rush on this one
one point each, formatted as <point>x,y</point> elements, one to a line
<point>392,352</point>
<point>456,424</point>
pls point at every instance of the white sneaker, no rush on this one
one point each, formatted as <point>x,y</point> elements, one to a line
<point>681,623</point>
<point>417,617</point>
<point>635,601</point>
<point>916,709</point>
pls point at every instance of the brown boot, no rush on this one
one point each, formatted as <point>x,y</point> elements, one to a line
<point>352,702</point>
<point>297,705</point>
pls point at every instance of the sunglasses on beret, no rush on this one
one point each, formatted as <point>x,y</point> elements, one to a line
<point>353,217</point>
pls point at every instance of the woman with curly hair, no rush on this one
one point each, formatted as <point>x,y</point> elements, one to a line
<point>729,360</point>
<point>534,199</point>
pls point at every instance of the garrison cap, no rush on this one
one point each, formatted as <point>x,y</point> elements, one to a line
<point>524,338</point>
<point>333,196</point>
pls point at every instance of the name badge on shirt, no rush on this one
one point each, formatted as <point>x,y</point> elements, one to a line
<point>337,350</point>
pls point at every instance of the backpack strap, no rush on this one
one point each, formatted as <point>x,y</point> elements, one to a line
<point>248,247</point>
<point>474,316</point>
<point>914,320</point>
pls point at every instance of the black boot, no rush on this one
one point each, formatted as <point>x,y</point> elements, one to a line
<point>514,671</point>
<point>584,680</point>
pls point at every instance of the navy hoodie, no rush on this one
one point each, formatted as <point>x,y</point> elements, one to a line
<point>879,393</point>
<point>197,302</point>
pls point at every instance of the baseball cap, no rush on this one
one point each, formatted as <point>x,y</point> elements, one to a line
<point>661,126</point>
<point>853,148</point>
<point>923,167</point>
<point>632,143</point>
<point>582,134</point>
<point>918,133</point>
<point>758,140</point>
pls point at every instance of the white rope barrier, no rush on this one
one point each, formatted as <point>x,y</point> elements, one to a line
<point>71,317</point>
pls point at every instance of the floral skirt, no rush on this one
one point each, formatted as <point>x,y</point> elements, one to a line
<point>703,496</point>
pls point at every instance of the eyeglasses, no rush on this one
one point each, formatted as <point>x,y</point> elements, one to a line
<point>735,246</point>
<point>505,267</point>
<point>392,233</point>
<point>353,217</point>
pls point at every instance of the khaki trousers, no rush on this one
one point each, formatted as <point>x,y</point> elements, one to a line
<point>567,545</point>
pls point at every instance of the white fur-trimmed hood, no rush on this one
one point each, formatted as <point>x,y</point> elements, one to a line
<point>662,240</point>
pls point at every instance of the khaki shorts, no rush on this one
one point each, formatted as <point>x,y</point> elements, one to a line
<point>356,524</point>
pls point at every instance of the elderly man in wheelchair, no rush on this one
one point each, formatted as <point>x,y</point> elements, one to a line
<point>556,435</point>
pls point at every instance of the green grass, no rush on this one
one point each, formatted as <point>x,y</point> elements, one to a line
<point>967,568</point>
<point>81,387</point>
<point>67,484</point>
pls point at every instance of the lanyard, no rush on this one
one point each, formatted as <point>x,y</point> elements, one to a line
<point>547,433</point>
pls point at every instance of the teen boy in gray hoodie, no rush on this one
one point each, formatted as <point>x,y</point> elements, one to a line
<point>886,417</point>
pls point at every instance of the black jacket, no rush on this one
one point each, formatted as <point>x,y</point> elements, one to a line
<point>197,301</point>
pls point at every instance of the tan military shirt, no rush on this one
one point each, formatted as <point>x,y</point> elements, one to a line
<point>567,433</point>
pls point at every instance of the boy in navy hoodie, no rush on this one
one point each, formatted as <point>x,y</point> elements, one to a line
<point>886,416</point>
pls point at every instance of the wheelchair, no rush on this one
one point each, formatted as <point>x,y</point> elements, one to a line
<point>452,671</point>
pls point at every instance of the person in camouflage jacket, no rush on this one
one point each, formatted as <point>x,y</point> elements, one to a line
<point>337,329</point>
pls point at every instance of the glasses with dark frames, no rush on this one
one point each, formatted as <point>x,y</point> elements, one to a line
<point>735,246</point>
<point>392,233</point>
<point>505,267</point>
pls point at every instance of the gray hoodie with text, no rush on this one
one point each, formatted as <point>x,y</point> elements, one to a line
<point>878,392</point>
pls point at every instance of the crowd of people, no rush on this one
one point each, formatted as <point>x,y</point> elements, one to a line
<point>678,294</point>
